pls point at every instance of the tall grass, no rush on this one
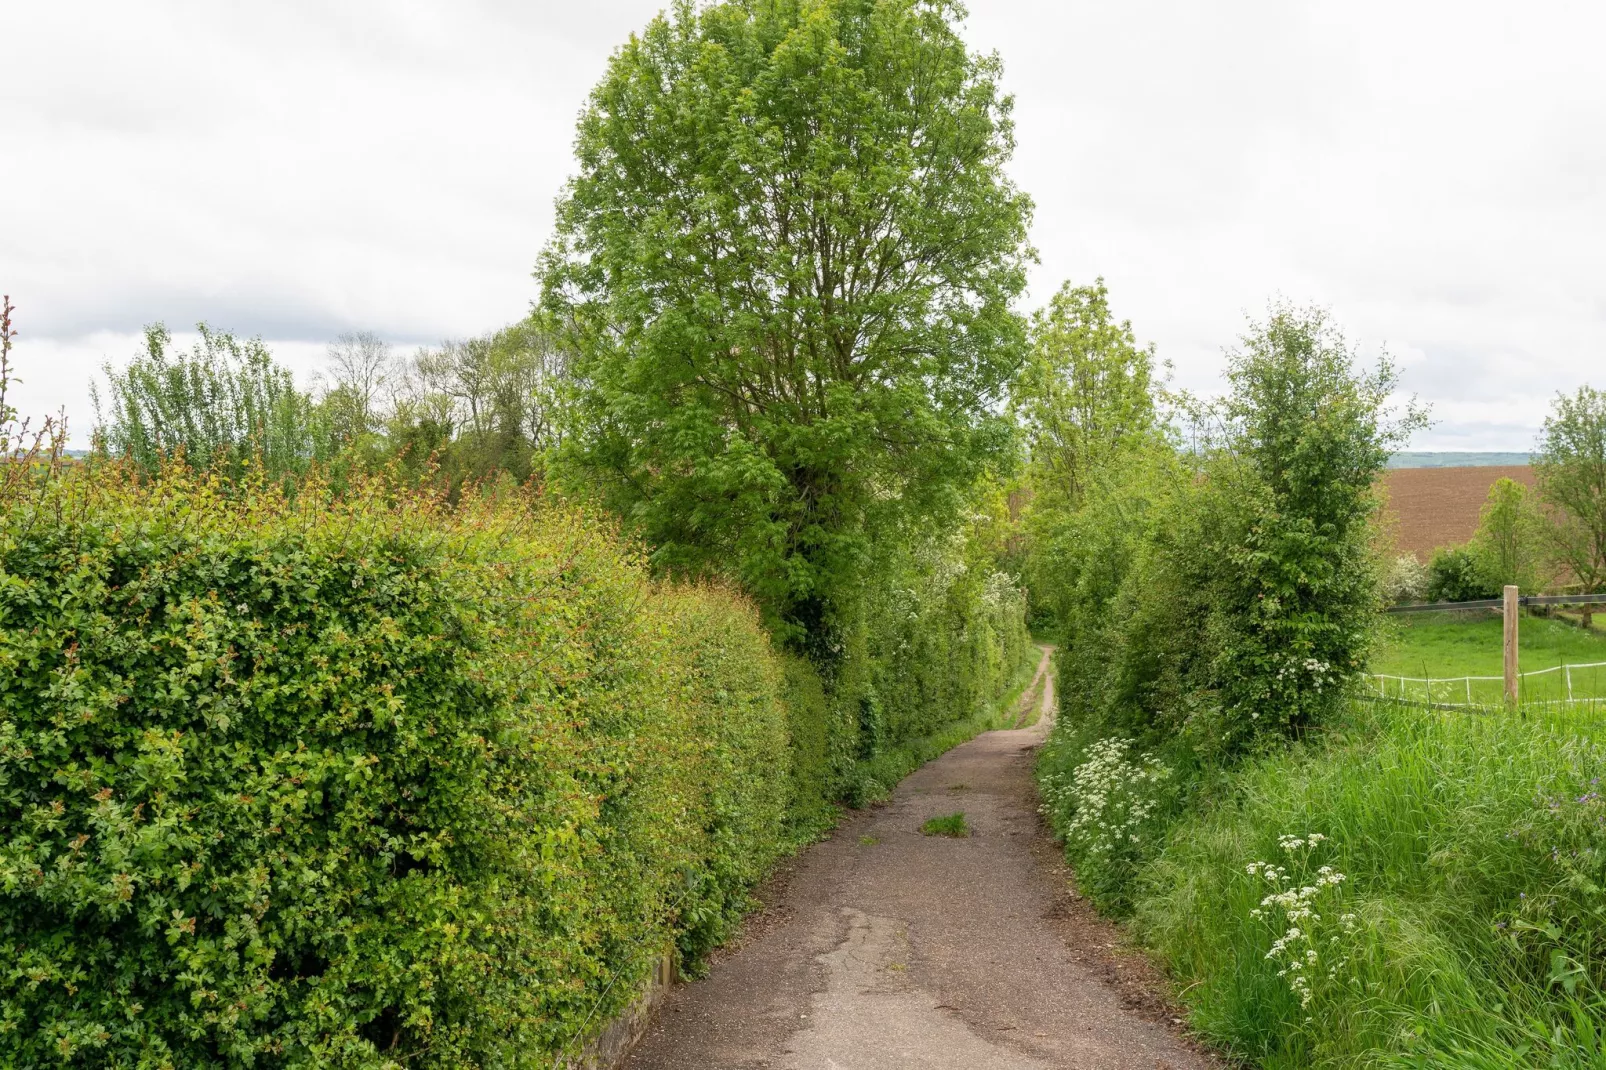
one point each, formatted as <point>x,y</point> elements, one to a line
<point>1473,855</point>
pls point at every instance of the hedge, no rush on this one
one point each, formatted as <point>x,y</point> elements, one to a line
<point>364,780</point>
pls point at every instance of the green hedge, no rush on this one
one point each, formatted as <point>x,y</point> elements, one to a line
<point>349,782</point>
<point>939,643</point>
<point>360,780</point>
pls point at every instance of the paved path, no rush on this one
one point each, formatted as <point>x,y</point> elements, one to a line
<point>889,949</point>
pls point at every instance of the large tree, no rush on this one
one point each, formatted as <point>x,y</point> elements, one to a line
<point>1085,400</point>
<point>789,258</point>
<point>1087,390</point>
<point>1571,465</point>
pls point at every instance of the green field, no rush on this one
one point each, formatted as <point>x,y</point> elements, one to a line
<point>1448,647</point>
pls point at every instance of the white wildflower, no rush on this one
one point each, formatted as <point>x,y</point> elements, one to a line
<point>1109,796</point>
<point>1297,905</point>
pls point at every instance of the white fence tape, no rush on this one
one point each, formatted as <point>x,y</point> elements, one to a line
<point>1427,683</point>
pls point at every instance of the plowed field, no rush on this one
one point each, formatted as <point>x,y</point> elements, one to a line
<point>1433,507</point>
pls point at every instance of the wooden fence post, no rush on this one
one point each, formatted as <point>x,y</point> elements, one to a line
<point>1510,610</point>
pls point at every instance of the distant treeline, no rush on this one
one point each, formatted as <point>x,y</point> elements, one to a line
<point>1454,459</point>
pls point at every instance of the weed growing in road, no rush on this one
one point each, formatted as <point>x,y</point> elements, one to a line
<point>869,841</point>
<point>951,825</point>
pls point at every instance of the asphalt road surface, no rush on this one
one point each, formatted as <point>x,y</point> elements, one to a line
<point>884,948</point>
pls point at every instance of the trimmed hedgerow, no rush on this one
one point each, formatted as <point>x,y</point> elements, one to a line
<point>364,780</point>
<point>358,781</point>
<point>728,692</point>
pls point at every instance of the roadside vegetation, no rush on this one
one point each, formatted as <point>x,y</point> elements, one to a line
<point>1406,888</point>
<point>410,719</point>
<point>340,778</point>
<point>1331,881</point>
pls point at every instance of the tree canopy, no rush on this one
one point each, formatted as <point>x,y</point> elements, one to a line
<point>1509,543</point>
<point>1571,467</point>
<point>1086,391</point>
<point>788,260</point>
<point>1085,399</point>
<point>226,402</point>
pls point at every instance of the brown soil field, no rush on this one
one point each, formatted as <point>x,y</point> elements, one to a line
<point>1433,507</point>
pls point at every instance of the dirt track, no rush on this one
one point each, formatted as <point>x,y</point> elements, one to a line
<point>885,948</point>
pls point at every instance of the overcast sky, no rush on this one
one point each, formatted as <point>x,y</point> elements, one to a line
<point>1434,173</point>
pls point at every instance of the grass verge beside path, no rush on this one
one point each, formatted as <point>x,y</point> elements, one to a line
<point>1404,888</point>
<point>1412,888</point>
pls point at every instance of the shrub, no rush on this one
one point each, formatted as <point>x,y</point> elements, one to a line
<point>358,781</point>
<point>1455,575</point>
<point>1227,594</point>
<point>1294,600</point>
<point>729,700</point>
<point>943,641</point>
<point>1406,580</point>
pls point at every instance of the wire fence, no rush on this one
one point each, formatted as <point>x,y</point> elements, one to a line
<point>1498,603</point>
<point>1559,684</point>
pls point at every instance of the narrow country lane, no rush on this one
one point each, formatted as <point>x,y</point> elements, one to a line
<point>890,949</point>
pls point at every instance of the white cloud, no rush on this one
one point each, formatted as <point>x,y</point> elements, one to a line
<point>1436,173</point>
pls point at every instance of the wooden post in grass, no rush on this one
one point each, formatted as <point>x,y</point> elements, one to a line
<point>1511,644</point>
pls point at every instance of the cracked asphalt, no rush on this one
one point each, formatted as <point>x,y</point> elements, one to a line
<point>885,948</point>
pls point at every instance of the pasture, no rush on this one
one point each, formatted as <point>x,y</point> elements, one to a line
<point>1461,653</point>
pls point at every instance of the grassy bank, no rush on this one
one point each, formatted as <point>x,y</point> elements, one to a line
<point>1406,888</point>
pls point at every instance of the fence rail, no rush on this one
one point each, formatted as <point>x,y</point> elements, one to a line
<point>1427,683</point>
<point>1497,603</point>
